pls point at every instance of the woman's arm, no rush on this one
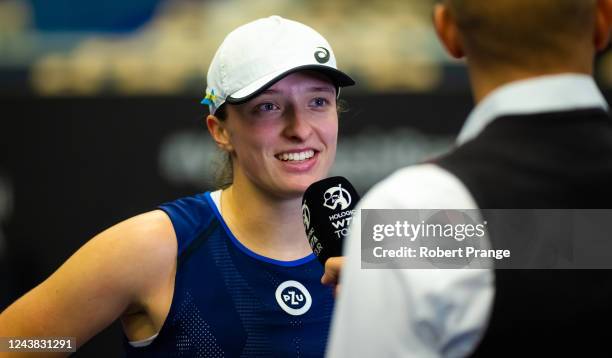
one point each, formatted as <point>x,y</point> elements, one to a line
<point>115,270</point>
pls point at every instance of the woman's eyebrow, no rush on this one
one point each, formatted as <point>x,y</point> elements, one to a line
<point>271,91</point>
<point>329,89</point>
<point>322,89</point>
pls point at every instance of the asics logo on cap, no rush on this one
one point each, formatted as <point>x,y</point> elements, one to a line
<point>322,56</point>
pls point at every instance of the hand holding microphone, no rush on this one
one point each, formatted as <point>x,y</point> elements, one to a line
<point>331,276</point>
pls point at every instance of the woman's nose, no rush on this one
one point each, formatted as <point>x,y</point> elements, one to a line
<point>298,125</point>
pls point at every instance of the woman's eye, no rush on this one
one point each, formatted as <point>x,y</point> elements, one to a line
<point>267,107</point>
<point>320,102</point>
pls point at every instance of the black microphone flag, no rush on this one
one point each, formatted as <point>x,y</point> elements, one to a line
<point>327,210</point>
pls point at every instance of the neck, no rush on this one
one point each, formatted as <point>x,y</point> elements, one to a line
<point>485,80</point>
<point>269,226</point>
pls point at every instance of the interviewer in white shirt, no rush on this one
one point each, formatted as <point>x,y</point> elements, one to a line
<point>524,57</point>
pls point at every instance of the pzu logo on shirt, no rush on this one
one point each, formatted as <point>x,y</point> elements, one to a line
<point>293,298</point>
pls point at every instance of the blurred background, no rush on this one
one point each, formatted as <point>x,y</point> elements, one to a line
<point>100,114</point>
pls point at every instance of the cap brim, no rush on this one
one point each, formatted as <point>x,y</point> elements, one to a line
<point>339,78</point>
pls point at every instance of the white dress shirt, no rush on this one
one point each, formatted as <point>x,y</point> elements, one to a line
<point>435,312</point>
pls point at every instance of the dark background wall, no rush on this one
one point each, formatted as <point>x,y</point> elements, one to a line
<point>71,167</point>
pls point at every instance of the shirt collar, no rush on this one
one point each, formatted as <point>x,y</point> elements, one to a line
<point>535,95</point>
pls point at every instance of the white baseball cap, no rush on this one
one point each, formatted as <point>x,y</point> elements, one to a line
<point>256,55</point>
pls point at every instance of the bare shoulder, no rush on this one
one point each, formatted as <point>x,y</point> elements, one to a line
<point>148,236</point>
<point>143,249</point>
<point>114,270</point>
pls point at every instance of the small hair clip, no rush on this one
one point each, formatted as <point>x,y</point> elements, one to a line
<point>210,98</point>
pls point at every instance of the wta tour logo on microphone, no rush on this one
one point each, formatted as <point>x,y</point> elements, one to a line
<point>335,196</point>
<point>327,209</point>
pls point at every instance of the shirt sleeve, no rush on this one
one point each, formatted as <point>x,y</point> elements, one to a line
<point>410,312</point>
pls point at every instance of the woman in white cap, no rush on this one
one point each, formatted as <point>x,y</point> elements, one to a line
<point>228,273</point>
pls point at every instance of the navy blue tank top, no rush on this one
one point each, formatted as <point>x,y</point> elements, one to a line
<point>231,302</point>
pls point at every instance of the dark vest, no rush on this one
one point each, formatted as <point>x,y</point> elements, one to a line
<point>544,161</point>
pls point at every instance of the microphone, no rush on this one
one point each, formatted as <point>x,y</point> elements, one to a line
<point>327,210</point>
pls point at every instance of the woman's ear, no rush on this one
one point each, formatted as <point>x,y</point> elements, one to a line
<point>219,133</point>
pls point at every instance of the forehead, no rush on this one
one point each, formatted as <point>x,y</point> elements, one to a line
<point>303,79</point>
<point>292,85</point>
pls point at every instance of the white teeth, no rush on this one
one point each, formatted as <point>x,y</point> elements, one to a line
<point>296,156</point>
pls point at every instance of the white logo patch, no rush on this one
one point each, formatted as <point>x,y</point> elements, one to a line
<point>336,195</point>
<point>293,298</point>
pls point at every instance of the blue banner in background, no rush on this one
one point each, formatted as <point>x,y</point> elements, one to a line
<point>114,16</point>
